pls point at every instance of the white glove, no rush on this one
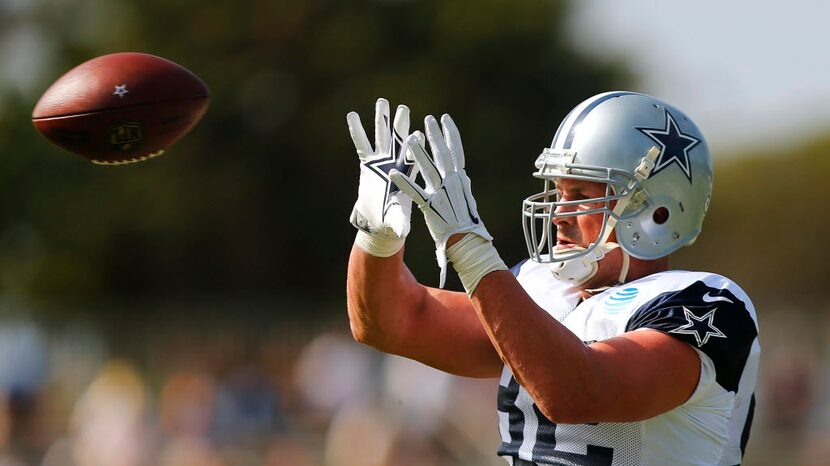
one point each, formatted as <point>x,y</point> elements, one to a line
<point>382,211</point>
<point>446,200</point>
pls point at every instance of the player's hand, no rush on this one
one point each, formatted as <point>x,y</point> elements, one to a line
<point>446,199</point>
<point>382,211</point>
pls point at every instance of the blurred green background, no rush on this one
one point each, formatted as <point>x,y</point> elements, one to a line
<point>190,309</point>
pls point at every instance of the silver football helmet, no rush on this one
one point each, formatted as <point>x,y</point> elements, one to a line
<point>657,170</point>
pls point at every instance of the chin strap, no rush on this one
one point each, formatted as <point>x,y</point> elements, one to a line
<point>581,269</point>
<point>624,268</point>
<point>623,273</point>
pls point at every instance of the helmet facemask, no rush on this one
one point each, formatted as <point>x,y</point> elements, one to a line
<point>623,198</point>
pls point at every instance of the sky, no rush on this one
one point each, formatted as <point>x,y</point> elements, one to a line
<point>752,74</point>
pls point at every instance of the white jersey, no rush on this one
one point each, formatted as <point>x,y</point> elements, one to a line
<point>707,311</point>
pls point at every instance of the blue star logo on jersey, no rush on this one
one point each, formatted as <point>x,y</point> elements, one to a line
<point>701,327</point>
<point>674,146</point>
<point>397,160</point>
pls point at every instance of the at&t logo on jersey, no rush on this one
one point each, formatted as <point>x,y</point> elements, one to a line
<point>619,300</point>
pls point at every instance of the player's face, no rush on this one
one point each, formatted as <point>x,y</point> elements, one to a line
<point>579,230</point>
<point>582,230</point>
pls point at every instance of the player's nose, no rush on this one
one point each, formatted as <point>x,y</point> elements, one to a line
<point>560,215</point>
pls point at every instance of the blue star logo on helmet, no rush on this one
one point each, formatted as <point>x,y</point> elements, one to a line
<point>674,146</point>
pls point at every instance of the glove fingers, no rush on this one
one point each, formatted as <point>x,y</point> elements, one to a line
<point>472,205</point>
<point>453,138</point>
<point>415,144</point>
<point>408,187</point>
<point>382,131</point>
<point>361,142</point>
<point>400,130</point>
<point>438,146</point>
<point>414,173</point>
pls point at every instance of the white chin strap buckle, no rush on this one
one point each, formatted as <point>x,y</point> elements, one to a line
<point>579,270</point>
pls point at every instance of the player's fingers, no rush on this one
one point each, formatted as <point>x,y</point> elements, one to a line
<point>400,129</point>
<point>408,187</point>
<point>361,142</point>
<point>414,172</point>
<point>415,146</point>
<point>439,147</point>
<point>453,138</point>
<point>382,131</point>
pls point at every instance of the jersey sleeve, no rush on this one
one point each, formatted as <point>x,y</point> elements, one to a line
<point>711,319</point>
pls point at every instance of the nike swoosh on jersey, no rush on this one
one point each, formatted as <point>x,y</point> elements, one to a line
<point>707,298</point>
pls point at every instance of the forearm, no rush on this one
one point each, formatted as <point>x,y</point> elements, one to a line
<point>380,293</point>
<point>546,358</point>
<point>569,380</point>
<point>389,310</point>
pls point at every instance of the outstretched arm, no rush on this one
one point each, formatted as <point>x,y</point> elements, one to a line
<point>388,309</point>
<point>649,372</point>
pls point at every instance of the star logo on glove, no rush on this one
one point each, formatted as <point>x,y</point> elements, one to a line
<point>675,146</point>
<point>397,160</point>
<point>701,327</point>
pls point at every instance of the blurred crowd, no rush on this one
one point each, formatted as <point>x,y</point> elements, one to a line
<point>296,394</point>
<point>303,393</point>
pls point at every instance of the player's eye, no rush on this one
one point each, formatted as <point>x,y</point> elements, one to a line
<point>571,197</point>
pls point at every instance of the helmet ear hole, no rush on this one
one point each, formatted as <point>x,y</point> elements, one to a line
<point>660,215</point>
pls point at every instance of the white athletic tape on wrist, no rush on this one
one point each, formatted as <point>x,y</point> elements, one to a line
<point>376,246</point>
<point>474,257</point>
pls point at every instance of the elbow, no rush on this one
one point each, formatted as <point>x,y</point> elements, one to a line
<point>380,326</point>
<point>575,397</point>
<point>362,334</point>
<point>561,414</point>
<point>361,324</point>
<point>576,408</point>
<point>367,334</point>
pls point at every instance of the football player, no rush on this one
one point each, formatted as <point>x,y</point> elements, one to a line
<point>604,354</point>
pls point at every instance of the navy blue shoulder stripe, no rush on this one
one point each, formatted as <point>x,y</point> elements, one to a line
<point>710,319</point>
<point>516,268</point>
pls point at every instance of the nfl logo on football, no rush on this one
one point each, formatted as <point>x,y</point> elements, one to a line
<point>126,136</point>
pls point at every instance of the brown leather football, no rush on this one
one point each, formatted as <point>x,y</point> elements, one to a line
<point>121,108</point>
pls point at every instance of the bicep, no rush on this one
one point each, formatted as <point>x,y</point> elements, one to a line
<point>650,371</point>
